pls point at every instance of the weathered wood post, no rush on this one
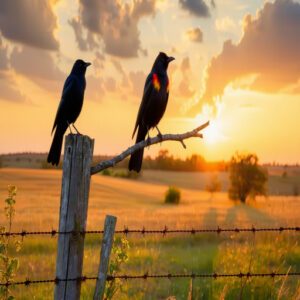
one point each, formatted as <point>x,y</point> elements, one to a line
<point>107,243</point>
<point>73,214</point>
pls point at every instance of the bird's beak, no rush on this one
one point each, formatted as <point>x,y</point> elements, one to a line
<point>87,64</point>
<point>170,58</point>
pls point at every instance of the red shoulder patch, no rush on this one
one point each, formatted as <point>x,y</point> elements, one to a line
<point>156,82</point>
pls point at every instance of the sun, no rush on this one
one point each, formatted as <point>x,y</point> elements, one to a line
<point>213,133</point>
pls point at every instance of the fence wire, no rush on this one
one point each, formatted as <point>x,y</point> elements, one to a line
<point>146,276</point>
<point>145,231</point>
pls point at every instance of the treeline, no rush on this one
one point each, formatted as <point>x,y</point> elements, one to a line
<point>165,161</point>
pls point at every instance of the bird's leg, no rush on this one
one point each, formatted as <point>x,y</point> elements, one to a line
<point>159,133</point>
<point>69,127</point>
<point>76,129</point>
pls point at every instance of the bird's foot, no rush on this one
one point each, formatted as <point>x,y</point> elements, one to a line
<point>159,134</point>
<point>70,128</point>
<point>76,129</point>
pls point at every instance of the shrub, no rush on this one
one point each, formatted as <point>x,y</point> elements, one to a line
<point>8,264</point>
<point>106,172</point>
<point>247,178</point>
<point>119,256</point>
<point>214,185</point>
<point>120,173</point>
<point>173,195</point>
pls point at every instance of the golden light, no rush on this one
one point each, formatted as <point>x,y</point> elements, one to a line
<point>212,134</point>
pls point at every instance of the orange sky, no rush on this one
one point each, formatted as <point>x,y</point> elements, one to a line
<point>237,65</point>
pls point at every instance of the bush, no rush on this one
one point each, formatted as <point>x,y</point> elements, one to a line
<point>247,178</point>
<point>8,246</point>
<point>120,173</point>
<point>214,185</point>
<point>173,195</point>
<point>106,172</point>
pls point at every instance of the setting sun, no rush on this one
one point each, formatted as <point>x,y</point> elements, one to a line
<point>213,134</point>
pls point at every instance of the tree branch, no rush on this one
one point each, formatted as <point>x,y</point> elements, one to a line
<point>155,140</point>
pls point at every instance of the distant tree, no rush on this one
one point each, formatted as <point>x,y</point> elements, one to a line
<point>247,178</point>
<point>214,185</point>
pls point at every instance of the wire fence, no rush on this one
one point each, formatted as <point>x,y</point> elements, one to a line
<point>145,231</point>
<point>146,276</point>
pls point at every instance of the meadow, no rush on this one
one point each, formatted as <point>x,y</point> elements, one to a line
<point>139,203</point>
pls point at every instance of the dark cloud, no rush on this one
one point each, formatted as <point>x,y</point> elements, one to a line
<point>269,49</point>
<point>85,40</point>
<point>29,22</point>
<point>81,41</point>
<point>195,7</point>
<point>113,23</point>
<point>37,65</point>
<point>195,34</point>
<point>3,56</point>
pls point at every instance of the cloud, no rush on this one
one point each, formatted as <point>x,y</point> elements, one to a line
<point>196,7</point>
<point>4,61</point>
<point>268,49</point>
<point>37,65</point>
<point>184,88</point>
<point>137,82</point>
<point>95,90</point>
<point>224,24</point>
<point>30,22</point>
<point>9,88</point>
<point>112,23</point>
<point>195,35</point>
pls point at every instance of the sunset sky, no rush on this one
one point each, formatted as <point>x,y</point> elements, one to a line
<point>237,65</point>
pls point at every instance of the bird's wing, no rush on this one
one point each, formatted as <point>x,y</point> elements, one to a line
<point>68,88</point>
<point>148,89</point>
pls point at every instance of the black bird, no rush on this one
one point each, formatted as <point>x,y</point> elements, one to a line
<point>153,105</point>
<point>69,108</point>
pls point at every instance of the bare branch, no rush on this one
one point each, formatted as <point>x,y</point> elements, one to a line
<point>148,142</point>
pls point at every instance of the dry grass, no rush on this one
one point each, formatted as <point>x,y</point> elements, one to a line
<point>138,203</point>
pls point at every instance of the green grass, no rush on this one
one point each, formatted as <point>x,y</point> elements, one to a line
<point>178,254</point>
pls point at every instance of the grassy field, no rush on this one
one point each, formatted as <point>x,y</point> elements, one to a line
<point>139,203</point>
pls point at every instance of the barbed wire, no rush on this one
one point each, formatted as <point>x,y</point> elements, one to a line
<point>146,276</point>
<point>145,231</point>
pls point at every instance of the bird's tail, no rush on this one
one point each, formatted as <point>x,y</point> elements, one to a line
<point>136,159</point>
<point>55,150</point>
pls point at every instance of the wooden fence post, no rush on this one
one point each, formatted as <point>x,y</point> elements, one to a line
<point>107,243</point>
<point>73,214</point>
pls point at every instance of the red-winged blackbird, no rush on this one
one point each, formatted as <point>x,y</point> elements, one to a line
<point>69,108</point>
<point>153,105</point>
